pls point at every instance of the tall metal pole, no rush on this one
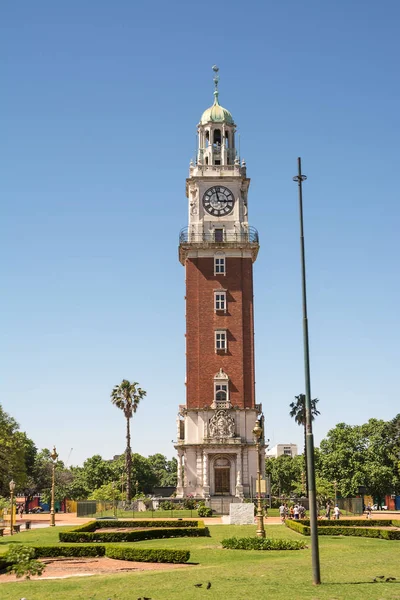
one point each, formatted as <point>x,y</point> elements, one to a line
<point>309,434</point>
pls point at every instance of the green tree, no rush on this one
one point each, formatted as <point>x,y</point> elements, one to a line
<point>96,472</point>
<point>357,455</point>
<point>298,413</point>
<point>285,472</point>
<point>126,396</point>
<point>16,453</point>
<point>108,492</point>
<point>164,469</point>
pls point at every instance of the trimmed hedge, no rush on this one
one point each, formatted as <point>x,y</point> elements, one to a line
<point>298,526</point>
<point>385,534</point>
<point>117,552</point>
<point>93,525</point>
<point>132,536</point>
<point>148,555</point>
<point>256,543</point>
<point>351,522</point>
<point>67,551</point>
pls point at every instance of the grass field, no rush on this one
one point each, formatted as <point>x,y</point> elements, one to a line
<point>348,567</point>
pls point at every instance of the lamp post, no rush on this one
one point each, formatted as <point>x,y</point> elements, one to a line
<point>299,178</point>
<point>335,485</point>
<point>12,488</point>
<point>53,457</point>
<point>113,498</point>
<point>257,432</point>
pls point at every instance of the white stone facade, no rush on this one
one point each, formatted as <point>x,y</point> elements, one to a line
<point>205,447</point>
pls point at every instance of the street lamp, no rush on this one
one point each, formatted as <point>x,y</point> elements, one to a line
<point>113,498</point>
<point>257,432</point>
<point>335,485</point>
<point>53,457</point>
<point>312,494</point>
<point>12,488</point>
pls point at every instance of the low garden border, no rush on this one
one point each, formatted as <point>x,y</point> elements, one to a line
<point>368,529</point>
<point>157,529</point>
<point>157,555</point>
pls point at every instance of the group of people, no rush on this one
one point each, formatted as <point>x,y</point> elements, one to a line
<point>336,511</point>
<point>295,512</point>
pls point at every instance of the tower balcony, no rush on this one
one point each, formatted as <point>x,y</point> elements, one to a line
<point>218,239</point>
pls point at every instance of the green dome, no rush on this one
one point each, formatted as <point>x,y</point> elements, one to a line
<point>217,114</point>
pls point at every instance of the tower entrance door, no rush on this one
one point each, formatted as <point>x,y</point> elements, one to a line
<point>222,477</point>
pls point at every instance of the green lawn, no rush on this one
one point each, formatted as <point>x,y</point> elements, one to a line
<point>348,566</point>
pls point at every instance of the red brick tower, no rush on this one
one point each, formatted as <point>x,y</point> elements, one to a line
<point>216,450</point>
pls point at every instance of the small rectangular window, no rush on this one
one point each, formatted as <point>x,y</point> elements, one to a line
<point>220,301</point>
<point>220,340</point>
<point>218,235</point>
<point>219,265</point>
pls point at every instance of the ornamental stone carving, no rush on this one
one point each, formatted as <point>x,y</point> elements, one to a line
<point>222,425</point>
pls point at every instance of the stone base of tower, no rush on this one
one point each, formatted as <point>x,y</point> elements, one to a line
<point>217,455</point>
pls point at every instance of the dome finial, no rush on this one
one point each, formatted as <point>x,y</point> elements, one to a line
<point>216,80</point>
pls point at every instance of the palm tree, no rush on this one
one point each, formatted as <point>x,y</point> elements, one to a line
<point>298,412</point>
<point>126,396</point>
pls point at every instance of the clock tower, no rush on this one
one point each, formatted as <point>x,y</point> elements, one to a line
<point>217,454</point>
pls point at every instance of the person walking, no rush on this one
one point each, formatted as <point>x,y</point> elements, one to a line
<point>337,512</point>
<point>282,512</point>
<point>296,512</point>
<point>328,511</point>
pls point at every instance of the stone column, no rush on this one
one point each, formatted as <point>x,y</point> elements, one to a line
<point>179,486</point>
<point>206,483</point>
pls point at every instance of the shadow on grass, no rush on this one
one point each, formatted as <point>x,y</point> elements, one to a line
<point>360,582</point>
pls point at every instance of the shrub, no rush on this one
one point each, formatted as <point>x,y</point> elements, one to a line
<point>22,561</point>
<point>148,555</point>
<point>189,503</point>
<point>166,505</point>
<point>204,511</point>
<point>256,543</point>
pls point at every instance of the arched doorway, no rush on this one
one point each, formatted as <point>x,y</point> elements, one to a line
<point>222,477</point>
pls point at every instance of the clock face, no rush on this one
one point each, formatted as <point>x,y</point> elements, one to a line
<point>218,201</point>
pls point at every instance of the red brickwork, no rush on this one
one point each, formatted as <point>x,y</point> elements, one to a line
<point>202,362</point>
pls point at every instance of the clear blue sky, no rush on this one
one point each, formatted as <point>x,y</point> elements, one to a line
<point>100,102</point>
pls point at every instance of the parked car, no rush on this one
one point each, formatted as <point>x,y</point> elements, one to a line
<point>376,507</point>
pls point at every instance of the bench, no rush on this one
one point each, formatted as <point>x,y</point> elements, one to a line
<point>17,528</point>
<point>28,524</point>
<point>2,531</point>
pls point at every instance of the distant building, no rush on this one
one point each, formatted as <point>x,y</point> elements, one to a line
<point>282,450</point>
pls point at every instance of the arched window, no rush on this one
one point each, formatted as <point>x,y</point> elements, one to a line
<point>221,390</point>
<point>207,139</point>
<point>217,137</point>
<point>221,394</point>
